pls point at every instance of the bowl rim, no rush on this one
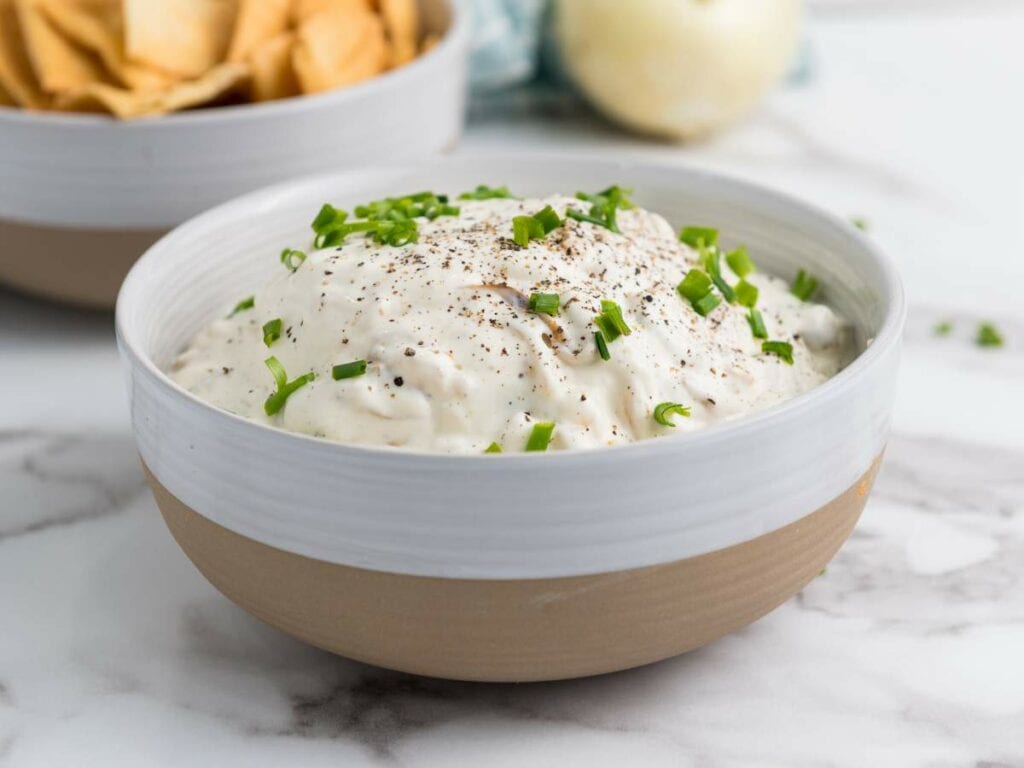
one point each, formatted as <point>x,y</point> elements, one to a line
<point>455,36</point>
<point>889,333</point>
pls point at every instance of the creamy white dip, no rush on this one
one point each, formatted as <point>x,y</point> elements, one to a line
<point>456,361</point>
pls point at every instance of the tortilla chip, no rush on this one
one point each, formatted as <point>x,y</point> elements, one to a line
<point>16,74</point>
<point>258,21</point>
<point>59,64</point>
<point>270,65</point>
<point>338,47</point>
<point>6,100</point>
<point>429,41</point>
<point>98,26</point>
<point>402,23</point>
<point>184,37</point>
<point>218,82</point>
<point>306,9</point>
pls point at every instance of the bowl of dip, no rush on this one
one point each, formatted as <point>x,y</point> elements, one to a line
<point>84,195</point>
<point>320,426</point>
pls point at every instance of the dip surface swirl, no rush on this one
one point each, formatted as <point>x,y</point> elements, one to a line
<point>456,361</point>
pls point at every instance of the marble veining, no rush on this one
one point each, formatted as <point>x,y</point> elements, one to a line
<point>906,652</point>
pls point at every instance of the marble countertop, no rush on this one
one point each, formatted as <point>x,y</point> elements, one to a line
<point>908,651</point>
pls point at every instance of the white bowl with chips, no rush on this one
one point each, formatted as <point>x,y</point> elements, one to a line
<point>84,195</point>
<point>520,566</point>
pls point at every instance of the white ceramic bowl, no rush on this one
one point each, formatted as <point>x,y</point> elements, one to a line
<point>84,195</point>
<point>523,566</point>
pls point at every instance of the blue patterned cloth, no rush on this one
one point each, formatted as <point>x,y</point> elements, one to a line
<point>506,41</point>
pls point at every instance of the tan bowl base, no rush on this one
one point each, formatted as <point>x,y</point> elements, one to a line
<point>535,629</point>
<point>84,267</point>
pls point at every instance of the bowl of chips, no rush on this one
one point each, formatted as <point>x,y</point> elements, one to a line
<point>120,119</point>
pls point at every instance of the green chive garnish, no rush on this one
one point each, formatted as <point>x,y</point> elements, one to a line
<point>739,261</point>
<point>943,329</point>
<point>285,388</point>
<point>613,312</point>
<point>536,227</point>
<point>548,219</point>
<point>711,260</point>
<point>247,303</point>
<point>697,236</point>
<point>272,331</point>
<point>781,349</point>
<point>705,305</point>
<point>695,286</point>
<point>483,192</point>
<point>662,411</point>
<point>860,223</point>
<point>348,370</point>
<point>746,293</point>
<point>526,228</point>
<point>327,220</point>
<point>804,286</point>
<point>422,204</point>
<point>540,436</point>
<point>544,303</point>
<point>292,258</point>
<point>757,324</point>
<point>603,207</point>
<point>611,325</point>
<point>493,447</point>
<point>607,327</point>
<point>989,336</point>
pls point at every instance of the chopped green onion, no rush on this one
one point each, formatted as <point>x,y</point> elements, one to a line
<point>611,325</point>
<point>540,436</point>
<point>483,192</point>
<point>348,370</point>
<point>757,324</point>
<point>247,303</point>
<point>662,411</point>
<point>739,262</point>
<point>607,328</point>
<point>944,328</point>
<point>614,195</point>
<point>695,286</point>
<point>613,312</point>
<point>493,447</point>
<point>860,223</point>
<point>573,213</point>
<point>328,219</point>
<point>285,388</point>
<point>989,336</point>
<point>705,305</point>
<point>544,303</point>
<point>804,286</point>
<point>746,293</point>
<point>536,227</point>
<point>526,228</point>
<point>603,207</point>
<point>422,204</point>
<point>548,219</point>
<point>711,259</point>
<point>292,258</point>
<point>272,331</point>
<point>697,236</point>
<point>781,349</point>
<point>396,233</point>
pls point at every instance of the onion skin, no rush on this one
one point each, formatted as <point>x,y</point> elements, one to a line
<point>679,69</point>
